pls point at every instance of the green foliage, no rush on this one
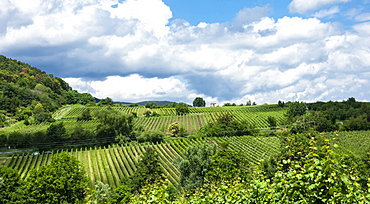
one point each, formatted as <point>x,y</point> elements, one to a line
<point>147,113</point>
<point>63,180</point>
<point>199,102</point>
<point>271,121</point>
<point>81,134</point>
<point>113,124</point>
<point>56,132</point>
<point>174,129</point>
<point>22,84</point>
<point>226,125</point>
<point>317,178</point>
<point>157,193</point>
<point>227,165</point>
<point>11,186</point>
<point>102,193</point>
<point>194,165</point>
<point>43,117</point>
<point>296,109</point>
<point>359,123</point>
<point>281,104</point>
<point>151,105</point>
<point>151,136</point>
<point>121,194</point>
<point>85,115</point>
<point>148,170</point>
<point>182,109</point>
<point>106,101</point>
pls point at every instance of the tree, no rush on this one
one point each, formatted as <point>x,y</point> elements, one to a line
<point>296,109</point>
<point>147,113</point>
<point>102,193</point>
<point>271,120</point>
<point>226,125</point>
<point>11,190</point>
<point>151,105</point>
<point>151,136</point>
<point>85,115</point>
<point>43,117</point>
<point>106,101</point>
<point>114,124</point>
<point>63,180</point>
<point>148,170</point>
<point>121,194</point>
<point>281,104</point>
<point>227,165</point>
<point>194,165</point>
<point>174,129</point>
<point>199,102</point>
<point>182,108</point>
<point>57,132</point>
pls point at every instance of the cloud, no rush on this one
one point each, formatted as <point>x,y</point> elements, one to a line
<point>132,52</point>
<point>304,6</point>
<point>249,15</point>
<point>132,88</point>
<point>357,14</point>
<point>326,12</point>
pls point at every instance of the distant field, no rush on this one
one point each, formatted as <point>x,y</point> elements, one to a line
<point>192,122</point>
<point>111,165</point>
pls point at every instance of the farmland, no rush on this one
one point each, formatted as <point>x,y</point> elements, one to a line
<point>192,122</point>
<point>111,164</point>
<point>114,163</point>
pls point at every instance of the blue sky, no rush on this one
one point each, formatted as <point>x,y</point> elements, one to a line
<point>220,11</point>
<point>221,50</point>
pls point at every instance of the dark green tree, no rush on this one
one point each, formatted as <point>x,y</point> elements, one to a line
<point>296,109</point>
<point>121,194</point>
<point>148,170</point>
<point>271,120</point>
<point>194,165</point>
<point>62,181</point>
<point>199,102</point>
<point>151,105</point>
<point>226,165</point>
<point>151,136</point>
<point>182,109</point>
<point>106,101</point>
<point>43,117</point>
<point>113,124</point>
<point>85,115</point>
<point>11,186</point>
<point>281,104</point>
<point>57,132</point>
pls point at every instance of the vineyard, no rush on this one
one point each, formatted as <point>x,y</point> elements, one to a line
<point>192,122</point>
<point>112,164</point>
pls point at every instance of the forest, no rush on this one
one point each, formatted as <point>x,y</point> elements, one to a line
<point>61,146</point>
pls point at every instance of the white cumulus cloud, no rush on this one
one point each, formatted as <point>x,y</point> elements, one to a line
<point>132,52</point>
<point>304,6</point>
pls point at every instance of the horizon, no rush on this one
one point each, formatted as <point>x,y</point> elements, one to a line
<point>223,51</point>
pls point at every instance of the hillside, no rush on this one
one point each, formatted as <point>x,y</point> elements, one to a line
<point>26,91</point>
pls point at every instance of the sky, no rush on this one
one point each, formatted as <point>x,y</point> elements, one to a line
<point>177,50</point>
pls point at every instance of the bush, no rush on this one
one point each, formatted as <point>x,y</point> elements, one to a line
<point>151,136</point>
